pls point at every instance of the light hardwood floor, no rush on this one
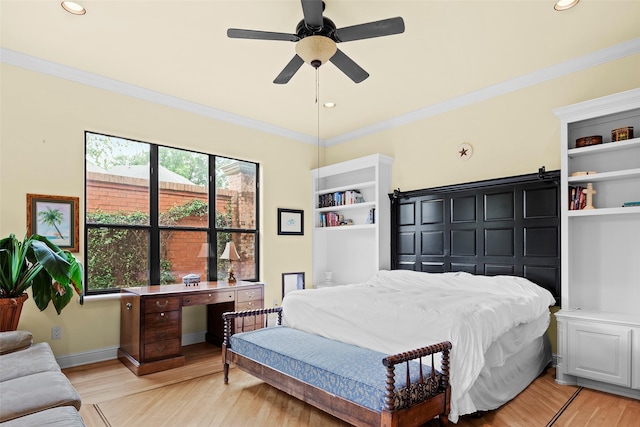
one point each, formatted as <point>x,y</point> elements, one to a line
<point>194,395</point>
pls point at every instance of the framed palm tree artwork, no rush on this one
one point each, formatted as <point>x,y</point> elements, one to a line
<point>54,217</point>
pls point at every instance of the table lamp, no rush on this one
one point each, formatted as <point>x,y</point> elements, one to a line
<point>231,254</point>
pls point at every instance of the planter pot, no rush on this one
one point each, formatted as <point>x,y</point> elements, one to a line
<point>10,309</point>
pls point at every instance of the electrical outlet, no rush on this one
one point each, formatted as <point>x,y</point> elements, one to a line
<point>56,333</point>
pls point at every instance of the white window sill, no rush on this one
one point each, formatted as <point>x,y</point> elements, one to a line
<point>101,297</point>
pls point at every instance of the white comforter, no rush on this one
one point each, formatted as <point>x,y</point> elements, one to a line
<point>400,310</point>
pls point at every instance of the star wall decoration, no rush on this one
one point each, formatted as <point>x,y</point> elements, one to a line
<point>465,151</point>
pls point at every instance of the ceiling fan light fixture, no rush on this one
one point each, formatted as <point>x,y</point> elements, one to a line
<point>316,50</point>
<point>565,4</point>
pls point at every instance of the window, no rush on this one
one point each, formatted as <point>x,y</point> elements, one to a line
<point>148,218</point>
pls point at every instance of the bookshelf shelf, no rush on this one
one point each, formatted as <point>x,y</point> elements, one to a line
<point>631,210</point>
<point>346,228</point>
<point>347,207</point>
<point>358,186</point>
<point>606,176</point>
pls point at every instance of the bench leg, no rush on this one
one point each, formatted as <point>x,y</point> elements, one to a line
<point>226,373</point>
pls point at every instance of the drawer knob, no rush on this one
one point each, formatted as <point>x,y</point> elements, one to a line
<point>188,300</point>
<point>128,305</point>
<point>163,305</point>
<point>163,318</point>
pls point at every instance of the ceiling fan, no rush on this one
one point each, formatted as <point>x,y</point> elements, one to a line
<point>316,37</point>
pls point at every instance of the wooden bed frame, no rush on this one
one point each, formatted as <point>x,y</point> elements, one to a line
<point>417,413</point>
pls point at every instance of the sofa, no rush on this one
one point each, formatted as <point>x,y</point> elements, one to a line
<point>33,389</point>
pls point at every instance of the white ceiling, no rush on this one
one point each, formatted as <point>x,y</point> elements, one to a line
<point>452,53</point>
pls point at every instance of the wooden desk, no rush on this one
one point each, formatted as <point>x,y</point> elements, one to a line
<point>151,319</point>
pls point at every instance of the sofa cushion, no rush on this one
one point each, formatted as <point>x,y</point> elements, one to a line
<point>14,340</point>
<point>37,392</point>
<point>64,416</point>
<point>32,360</point>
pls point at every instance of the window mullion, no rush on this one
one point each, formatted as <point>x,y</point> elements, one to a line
<point>154,237</point>
<point>212,238</point>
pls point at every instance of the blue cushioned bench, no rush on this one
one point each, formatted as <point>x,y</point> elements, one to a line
<point>355,384</point>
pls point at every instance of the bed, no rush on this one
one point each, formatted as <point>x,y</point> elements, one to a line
<point>496,325</point>
<point>476,265</point>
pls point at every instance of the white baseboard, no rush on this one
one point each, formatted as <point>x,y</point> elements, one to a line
<point>110,353</point>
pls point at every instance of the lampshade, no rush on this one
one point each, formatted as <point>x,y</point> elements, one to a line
<point>230,252</point>
<point>204,251</point>
<point>316,50</point>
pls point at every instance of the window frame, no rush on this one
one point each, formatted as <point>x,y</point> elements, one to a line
<point>154,229</point>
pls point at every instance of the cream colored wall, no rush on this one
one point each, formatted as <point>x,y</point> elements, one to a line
<point>42,151</point>
<point>512,134</point>
<point>43,120</point>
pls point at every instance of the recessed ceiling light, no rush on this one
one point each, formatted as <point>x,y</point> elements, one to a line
<point>329,105</point>
<point>565,4</point>
<point>73,7</point>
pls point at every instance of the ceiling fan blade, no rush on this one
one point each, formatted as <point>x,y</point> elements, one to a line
<point>236,33</point>
<point>347,66</point>
<point>312,10</point>
<point>386,27</point>
<point>288,71</point>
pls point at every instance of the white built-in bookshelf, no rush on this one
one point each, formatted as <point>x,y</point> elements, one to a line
<point>351,232</point>
<point>599,320</point>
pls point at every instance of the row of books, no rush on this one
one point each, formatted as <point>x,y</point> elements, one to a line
<point>335,219</point>
<point>331,219</point>
<point>577,198</point>
<point>340,198</point>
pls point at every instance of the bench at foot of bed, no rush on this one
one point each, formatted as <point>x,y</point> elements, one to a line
<point>354,384</point>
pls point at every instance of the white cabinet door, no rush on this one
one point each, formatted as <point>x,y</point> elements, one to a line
<point>635,360</point>
<point>600,352</point>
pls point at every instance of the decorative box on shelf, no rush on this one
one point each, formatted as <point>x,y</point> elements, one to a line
<point>586,141</point>
<point>622,134</point>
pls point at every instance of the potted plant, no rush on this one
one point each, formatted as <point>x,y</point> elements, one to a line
<point>52,273</point>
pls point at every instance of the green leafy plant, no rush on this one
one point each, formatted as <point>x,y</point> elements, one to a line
<point>53,273</point>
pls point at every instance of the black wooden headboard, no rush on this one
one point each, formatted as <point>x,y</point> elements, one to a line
<point>500,226</point>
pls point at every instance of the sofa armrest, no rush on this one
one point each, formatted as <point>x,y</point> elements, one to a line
<point>11,341</point>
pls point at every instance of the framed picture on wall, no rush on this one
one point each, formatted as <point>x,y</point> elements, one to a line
<point>290,222</point>
<point>54,217</point>
<point>292,282</point>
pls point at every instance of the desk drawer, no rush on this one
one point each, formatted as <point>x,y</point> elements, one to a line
<point>162,320</point>
<point>156,304</point>
<point>163,333</point>
<point>207,298</point>
<point>161,349</point>
<point>249,305</point>
<point>252,294</point>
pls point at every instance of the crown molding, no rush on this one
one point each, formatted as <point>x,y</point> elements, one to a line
<point>39,65</point>
<point>611,53</point>
<point>602,56</point>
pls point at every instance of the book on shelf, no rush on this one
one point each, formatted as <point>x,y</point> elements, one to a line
<point>577,198</point>
<point>340,198</point>
<point>371,217</point>
<point>628,204</point>
<point>331,219</point>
